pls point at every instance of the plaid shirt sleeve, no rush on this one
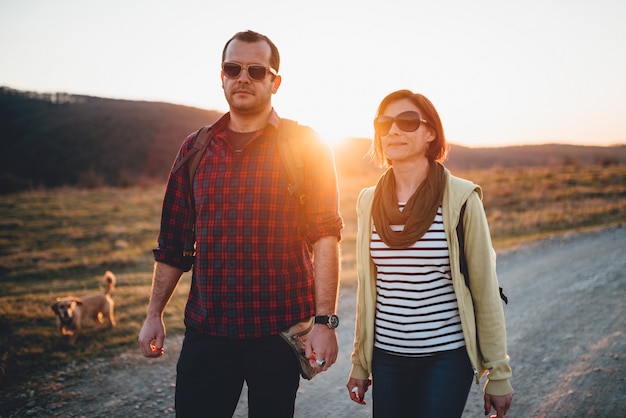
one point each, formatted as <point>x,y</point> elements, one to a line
<point>171,239</point>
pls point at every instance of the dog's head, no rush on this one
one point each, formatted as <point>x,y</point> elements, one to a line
<point>64,308</point>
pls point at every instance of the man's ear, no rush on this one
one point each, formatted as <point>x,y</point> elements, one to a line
<point>276,83</point>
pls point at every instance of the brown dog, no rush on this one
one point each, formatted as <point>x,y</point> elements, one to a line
<point>71,312</point>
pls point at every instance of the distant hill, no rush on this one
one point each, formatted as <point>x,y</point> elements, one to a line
<point>61,139</point>
<point>464,158</point>
<point>534,155</point>
<point>50,140</point>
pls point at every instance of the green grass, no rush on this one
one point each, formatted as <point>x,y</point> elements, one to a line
<point>59,242</point>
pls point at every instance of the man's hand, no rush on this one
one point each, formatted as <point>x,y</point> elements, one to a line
<point>321,345</point>
<point>152,334</point>
<point>152,337</point>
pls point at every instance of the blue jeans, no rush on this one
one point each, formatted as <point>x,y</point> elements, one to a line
<point>211,372</point>
<point>432,386</point>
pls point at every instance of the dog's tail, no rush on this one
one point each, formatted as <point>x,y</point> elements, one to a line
<point>109,281</point>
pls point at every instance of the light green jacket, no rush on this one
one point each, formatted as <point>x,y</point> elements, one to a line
<point>480,308</point>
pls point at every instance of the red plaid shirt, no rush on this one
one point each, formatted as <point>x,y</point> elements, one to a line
<point>253,272</point>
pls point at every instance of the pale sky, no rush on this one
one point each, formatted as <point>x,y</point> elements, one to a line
<point>499,72</point>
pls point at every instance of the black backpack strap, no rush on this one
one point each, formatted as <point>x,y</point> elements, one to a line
<point>504,297</point>
<point>460,231</point>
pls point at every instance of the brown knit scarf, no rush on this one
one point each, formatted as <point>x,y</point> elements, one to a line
<point>418,214</point>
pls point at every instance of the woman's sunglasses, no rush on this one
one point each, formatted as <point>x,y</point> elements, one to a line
<point>407,121</point>
<point>255,71</point>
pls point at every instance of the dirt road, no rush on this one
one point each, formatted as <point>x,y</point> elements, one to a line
<point>566,323</point>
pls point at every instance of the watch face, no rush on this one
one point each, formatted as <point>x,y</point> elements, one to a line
<point>333,321</point>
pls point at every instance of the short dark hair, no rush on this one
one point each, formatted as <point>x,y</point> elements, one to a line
<point>437,148</point>
<point>251,37</point>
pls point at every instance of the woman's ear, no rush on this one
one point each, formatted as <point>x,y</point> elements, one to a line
<point>431,135</point>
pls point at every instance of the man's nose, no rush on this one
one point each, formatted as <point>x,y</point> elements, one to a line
<point>243,75</point>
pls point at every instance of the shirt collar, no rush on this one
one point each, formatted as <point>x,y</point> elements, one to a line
<point>221,123</point>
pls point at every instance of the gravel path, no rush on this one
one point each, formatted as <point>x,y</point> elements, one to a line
<point>565,319</point>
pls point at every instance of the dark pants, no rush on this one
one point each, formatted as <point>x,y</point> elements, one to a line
<point>211,372</point>
<point>433,386</point>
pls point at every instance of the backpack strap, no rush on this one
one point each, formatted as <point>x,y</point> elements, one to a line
<point>201,141</point>
<point>290,131</point>
<point>460,231</point>
<point>194,155</point>
<point>291,145</point>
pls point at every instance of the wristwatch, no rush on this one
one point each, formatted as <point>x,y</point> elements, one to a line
<point>332,321</point>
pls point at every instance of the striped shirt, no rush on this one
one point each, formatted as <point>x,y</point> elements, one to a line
<point>416,308</point>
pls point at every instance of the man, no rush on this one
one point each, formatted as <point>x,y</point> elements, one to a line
<point>253,271</point>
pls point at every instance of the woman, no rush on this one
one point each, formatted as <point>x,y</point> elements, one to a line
<point>421,334</point>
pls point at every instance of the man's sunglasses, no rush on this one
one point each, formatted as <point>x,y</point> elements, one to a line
<point>407,121</point>
<point>256,72</point>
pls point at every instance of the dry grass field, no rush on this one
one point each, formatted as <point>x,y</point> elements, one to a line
<point>60,241</point>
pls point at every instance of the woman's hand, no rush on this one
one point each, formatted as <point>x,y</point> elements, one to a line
<point>500,403</point>
<point>357,389</point>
